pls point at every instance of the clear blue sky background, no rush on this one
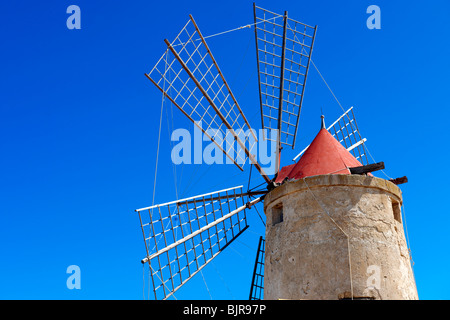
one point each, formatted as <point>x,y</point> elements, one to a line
<point>79,127</point>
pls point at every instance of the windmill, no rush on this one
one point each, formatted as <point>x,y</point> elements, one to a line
<point>182,236</point>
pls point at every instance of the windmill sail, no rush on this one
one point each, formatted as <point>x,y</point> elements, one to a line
<point>345,130</point>
<point>257,287</point>
<point>183,236</point>
<point>189,76</point>
<point>284,47</point>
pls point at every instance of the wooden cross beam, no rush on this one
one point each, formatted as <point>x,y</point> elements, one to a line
<point>399,180</point>
<point>368,168</point>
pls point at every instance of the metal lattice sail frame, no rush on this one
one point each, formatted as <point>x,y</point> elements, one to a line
<point>345,130</point>
<point>183,236</point>
<point>283,55</point>
<point>189,76</point>
<point>257,286</point>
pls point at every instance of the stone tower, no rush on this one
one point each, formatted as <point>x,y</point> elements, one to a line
<point>334,235</point>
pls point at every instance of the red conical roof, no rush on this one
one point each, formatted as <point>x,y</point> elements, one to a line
<point>325,155</point>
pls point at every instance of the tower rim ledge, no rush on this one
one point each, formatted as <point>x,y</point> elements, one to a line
<point>333,180</point>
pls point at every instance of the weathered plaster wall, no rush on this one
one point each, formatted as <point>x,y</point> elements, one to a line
<point>339,236</point>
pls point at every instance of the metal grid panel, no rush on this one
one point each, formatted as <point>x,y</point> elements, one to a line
<point>181,237</point>
<point>345,130</point>
<point>189,76</point>
<point>257,288</point>
<point>284,48</point>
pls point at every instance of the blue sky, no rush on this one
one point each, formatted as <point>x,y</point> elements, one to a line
<point>79,126</point>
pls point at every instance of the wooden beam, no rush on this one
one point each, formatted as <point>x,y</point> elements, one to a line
<point>399,180</point>
<point>368,168</point>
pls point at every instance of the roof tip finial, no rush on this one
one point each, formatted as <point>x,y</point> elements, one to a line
<point>323,122</point>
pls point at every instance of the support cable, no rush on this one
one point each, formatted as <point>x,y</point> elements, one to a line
<point>159,137</point>
<point>247,26</point>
